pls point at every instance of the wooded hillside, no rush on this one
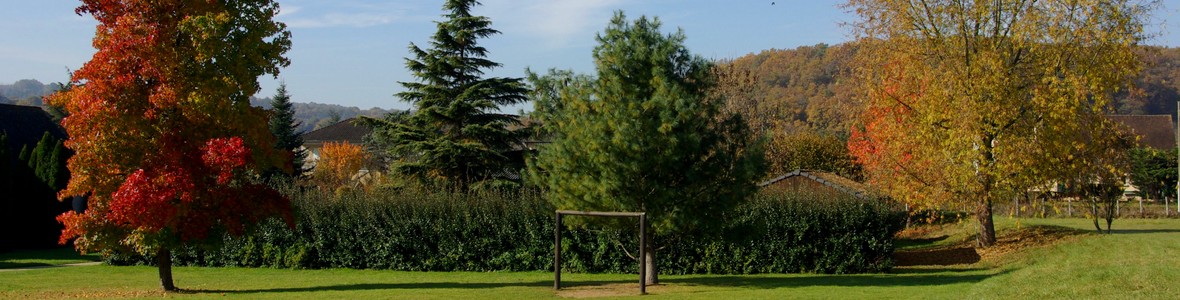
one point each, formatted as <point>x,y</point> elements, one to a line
<point>809,87</point>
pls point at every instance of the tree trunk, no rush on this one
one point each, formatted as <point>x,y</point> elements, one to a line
<point>1095,211</point>
<point>649,257</point>
<point>164,264</point>
<point>1069,203</point>
<point>987,228</point>
<point>1016,208</point>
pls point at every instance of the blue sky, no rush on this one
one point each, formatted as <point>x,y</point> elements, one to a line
<point>351,52</point>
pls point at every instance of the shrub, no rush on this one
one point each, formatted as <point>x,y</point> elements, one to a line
<point>494,231</point>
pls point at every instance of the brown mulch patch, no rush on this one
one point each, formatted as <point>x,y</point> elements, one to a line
<point>1027,238</point>
<point>967,252</point>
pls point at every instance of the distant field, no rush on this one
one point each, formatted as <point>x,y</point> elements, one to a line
<point>1138,261</point>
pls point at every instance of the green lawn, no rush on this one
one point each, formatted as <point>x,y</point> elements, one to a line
<point>1138,261</point>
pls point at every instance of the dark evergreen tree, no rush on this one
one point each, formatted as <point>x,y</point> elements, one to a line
<point>286,129</point>
<point>47,162</point>
<point>644,135</point>
<point>24,154</point>
<point>40,154</point>
<point>457,135</point>
<point>57,174</point>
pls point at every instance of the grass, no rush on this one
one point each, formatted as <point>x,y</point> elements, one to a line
<point>43,258</point>
<point>1138,261</point>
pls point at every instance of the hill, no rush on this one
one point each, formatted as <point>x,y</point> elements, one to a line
<point>311,115</point>
<point>810,87</point>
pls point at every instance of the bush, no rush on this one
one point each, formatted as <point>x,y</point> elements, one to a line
<point>438,231</point>
<point>792,233</point>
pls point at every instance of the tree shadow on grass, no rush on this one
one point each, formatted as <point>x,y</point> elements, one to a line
<point>901,277</point>
<point>1140,231</point>
<point>14,265</point>
<point>927,270</point>
<point>379,286</point>
<point>927,277</point>
<point>918,243</point>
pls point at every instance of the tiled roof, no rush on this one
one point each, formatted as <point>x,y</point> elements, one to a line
<point>1153,130</point>
<point>26,124</point>
<point>837,182</point>
<point>351,131</point>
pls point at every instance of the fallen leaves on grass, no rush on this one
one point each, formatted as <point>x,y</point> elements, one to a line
<point>1009,244</point>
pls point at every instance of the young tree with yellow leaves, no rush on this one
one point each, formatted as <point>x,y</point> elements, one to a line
<point>970,102</point>
<point>337,164</point>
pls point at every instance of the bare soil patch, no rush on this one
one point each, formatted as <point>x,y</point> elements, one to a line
<point>607,290</point>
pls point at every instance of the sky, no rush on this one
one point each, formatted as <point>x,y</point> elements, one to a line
<point>352,52</point>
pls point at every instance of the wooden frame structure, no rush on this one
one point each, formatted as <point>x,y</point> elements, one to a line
<point>642,243</point>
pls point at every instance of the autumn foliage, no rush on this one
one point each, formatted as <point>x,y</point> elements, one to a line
<point>167,145</point>
<point>970,103</point>
<point>338,163</point>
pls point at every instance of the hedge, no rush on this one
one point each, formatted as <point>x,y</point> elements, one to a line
<point>437,231</point>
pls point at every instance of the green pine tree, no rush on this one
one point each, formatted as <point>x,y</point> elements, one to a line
<point>40,154</point>
<point>286,129</point>
<point>57,173</point>
<point>456,136</point>
<point>47,160</point>
<point>24,154</point>
<point>643,135</point>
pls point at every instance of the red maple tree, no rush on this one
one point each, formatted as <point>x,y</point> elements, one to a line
<point>167,144</point>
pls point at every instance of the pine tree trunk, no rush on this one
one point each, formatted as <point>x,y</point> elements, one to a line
<point>653,270</point>
<point>164,264</point>
<point>987,228</point>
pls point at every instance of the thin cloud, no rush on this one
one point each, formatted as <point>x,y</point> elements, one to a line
<point>342,20</point>
<point>342,14</point>
<point>557,23</point>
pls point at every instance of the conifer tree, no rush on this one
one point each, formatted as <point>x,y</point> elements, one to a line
<point>24,153</point>
<point>39,154</point>
<point>644,135</point>
<point>56,171</point>
<point>456,135</point>
<point>286,129</point>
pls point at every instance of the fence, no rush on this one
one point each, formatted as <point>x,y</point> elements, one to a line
<point>1075,208</point>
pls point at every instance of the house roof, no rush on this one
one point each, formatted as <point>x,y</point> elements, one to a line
<point>25,125</point>
<point>837,182</point>
<point>1153,130</point>
<point>351,131</point>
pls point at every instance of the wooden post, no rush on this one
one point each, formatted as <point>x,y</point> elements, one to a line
<point>1140,206</point>
<point>557,254</point>
<point>642,243</point>
<point>643,254</point>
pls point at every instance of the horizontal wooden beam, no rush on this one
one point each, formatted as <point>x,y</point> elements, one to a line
<point>601,213</point>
